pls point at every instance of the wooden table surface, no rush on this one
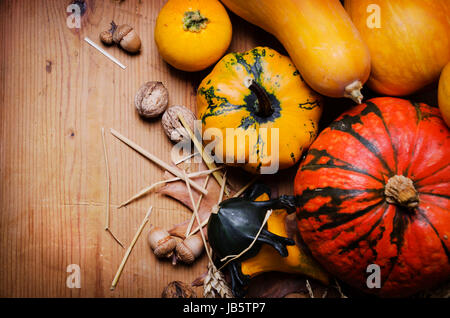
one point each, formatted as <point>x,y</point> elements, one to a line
<point>56,93</point>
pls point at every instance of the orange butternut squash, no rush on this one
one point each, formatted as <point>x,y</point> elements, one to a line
<point>320,38</point>
<point>409,41</point>
<point>444,94</point>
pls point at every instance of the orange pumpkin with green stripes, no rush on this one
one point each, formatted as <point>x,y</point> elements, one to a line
<point>374,188</point>
<point>251,93</point>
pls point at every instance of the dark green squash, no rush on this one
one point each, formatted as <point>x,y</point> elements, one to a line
<point>236,223</point>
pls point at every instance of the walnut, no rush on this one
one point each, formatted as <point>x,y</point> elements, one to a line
<point>172,125</point>
<point>152,99</point>
<point>177,289</point>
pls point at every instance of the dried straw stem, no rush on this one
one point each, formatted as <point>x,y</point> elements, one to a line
<point>188,230</point>
<point>215,208</point>
<point>233,257</point>
<point>105,153</point>
<point>222,188</point>
<point>108,181</point>
<point>130,248</point>
<point>310,291</point>
<point>206,157</point>
<point>154,185</point>
<point>186,178</point>
<point>186,158</point>
<point>155,159</point>
<point>199,227</point>
<point>242,190</point>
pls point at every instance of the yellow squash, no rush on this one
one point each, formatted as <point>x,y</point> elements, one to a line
<point>320,38</point>
<point>444,94</point>
<point>409,41</point>
<point>258,110</point>
<point>192,34</point>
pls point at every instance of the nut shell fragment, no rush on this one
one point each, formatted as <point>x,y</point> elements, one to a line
<point>177,289</point>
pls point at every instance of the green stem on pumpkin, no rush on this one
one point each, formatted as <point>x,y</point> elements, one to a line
<point>265,106</point>
<point>194,21</point>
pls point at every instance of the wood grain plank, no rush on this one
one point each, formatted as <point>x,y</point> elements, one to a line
<point>56,93</point>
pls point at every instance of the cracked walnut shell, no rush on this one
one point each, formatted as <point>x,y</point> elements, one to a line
<point>152,99</point>
<point>172,125</point>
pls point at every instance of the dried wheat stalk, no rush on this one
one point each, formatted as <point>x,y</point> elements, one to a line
<point>215,285</point>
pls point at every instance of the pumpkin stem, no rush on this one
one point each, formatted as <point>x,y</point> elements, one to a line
<point>194,21</point>
<point>353,91</point>
<point>265,106</point>
<point>400,190</point>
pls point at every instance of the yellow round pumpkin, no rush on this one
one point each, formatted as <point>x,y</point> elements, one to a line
<point>244,97</point>
<point>409,41</point>
<point>444,94</point>
<point>192,34</point>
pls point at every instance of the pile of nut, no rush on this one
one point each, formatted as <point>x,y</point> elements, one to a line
<point>165,245</point>
<point>123,35</point>
<point>151,101</point>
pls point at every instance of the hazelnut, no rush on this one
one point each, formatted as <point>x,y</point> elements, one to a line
<point>161,242</point>
<point>189,249</point>
<point>172,125</point>
<point>124,35</point>
<point>127,38</point>
<point>177,289</point>
<point>152,99</point>
<point>106,37</point>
